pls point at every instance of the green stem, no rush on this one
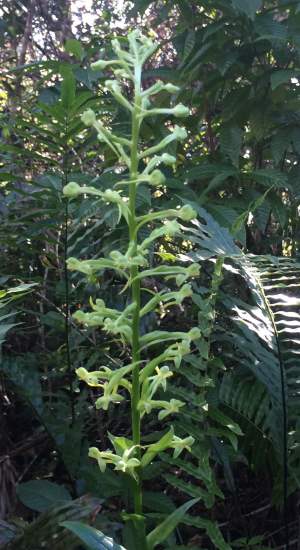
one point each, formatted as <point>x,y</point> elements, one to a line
<point>135,288</point>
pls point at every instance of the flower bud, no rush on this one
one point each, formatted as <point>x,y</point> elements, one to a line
<point>88,117</point>
<point>73,264</point>
<point>181,111</point>
<point>120,73</point>
<point>146,103</point>
<point>171,88</point>
<point>171,227</point>
<point>94,452</point>
<point>186,291</point>
<point>157,178</point>
<point>111,196</point>
<point>99,65</point>
<point>116,45</point>
<point>82,373</point>
<point>113,86</point>
<point>79,316</point>
<point>167,159</point>
<point>193,270</point>
<point>187,213</point>
<point>180,133</point>
<point>194,333</point>
<point>72,190</point>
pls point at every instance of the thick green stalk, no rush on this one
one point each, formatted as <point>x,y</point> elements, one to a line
<point>135,289</point>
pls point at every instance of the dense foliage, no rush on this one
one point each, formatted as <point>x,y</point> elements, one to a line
<point>222,280</point>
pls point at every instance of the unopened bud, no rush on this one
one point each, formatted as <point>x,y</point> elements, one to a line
<point>168,160</point>
<point>180,133</point>
<point>171,88</point>
<point>88,117</point>
<point>99,65</point>
<point>187,213</point>
<point>157,178</point>
<point>181,111</point>
<point>72,190</point>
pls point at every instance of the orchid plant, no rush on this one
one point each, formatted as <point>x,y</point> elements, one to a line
<point>141,379</point>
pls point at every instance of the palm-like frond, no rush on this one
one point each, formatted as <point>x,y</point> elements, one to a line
<point>262,336</point>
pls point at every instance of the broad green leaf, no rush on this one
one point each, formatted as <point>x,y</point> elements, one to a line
<point>4,328</point>
<point>21,288</point>
<point>7,532</point>
<point>162,531</point>
<point>189,44</point>
<point>211,529</point>
<point>68,88</point>
<point>248,7</point>
<point>270,29</point>
<point>281,77</point>
<point>91,537</point>
<point>40,494</point>
<point>231,143</point>
<point>74,47</point>
<point>223,419</point>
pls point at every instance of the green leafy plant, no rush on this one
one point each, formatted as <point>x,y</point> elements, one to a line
<point>141,378</point>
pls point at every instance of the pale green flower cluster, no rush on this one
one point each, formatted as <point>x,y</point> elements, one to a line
<point>141,380</point>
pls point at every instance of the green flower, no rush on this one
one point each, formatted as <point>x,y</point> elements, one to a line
<point>170,408</point>
<point>90,378</point>
<point>126,463</point>
<point>160,379</point>
<point>76,265</point>
<point>179,444</point>
<point>108,397</point>
<point>118,326</point>
<point>102,457</point>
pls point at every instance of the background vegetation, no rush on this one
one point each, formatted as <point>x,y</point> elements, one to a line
<point>237,65</point>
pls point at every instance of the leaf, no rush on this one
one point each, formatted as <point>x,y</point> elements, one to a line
<point>162,531</point>
<point>188,44</point>
<point>4,328</point>
<point>211,238</point>
<point>91,537</point>
<point>68,88</point>
<point>211,529</point>
<point>231,143</point>
<point>223,419</point>
<point>74,47</point>
<point>157,447</point>
<point>40,495</point>
<point>248,7</point>
<point>269,29</point>
<point>281,77</point>
<point>7,532</point>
